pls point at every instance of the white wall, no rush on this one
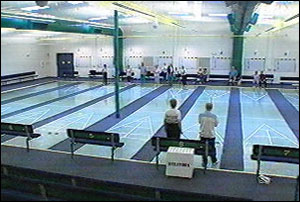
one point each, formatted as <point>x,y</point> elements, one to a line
<point>274,46</point>
<point>96,48</point>
<point>18,58</point>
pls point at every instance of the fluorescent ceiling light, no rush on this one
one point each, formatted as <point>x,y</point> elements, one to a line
<point>34,8</point>
<point>135,20</point>
<point>217,14</point>
<point>178,13</point>
<point>75,2</point>
<point>99,18</point>
<point>27,18</point>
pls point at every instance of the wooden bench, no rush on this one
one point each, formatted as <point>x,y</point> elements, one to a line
<point>162,144</point>
<point>97,138</point>
<point>19,130</point>
<point>94,73</point>
<point>276,154</point>
<point>74,74</point>
<point>18,77</point>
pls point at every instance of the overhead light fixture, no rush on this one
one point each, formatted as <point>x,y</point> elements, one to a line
<point>217,14</point>
<point>99,18</point>
<point>27,18</point>
<point>75,2</point>
<point>34,8</point>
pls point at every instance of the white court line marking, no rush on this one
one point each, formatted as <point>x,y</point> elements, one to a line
<point>133,129</point>
<point>4,110</point>
<point>28,86</point>
<point>272,129</point>
<point>255,99</point>
<point>151,126</point>
<point>40,116</point>
<point>88,120</point>
<point>63,127</point>
<point>124,125</point>
<point>269,137</point>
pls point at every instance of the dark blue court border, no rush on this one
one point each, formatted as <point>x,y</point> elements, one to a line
<point>286,109</point>
<point>48,102</point>
<point>233,153</point>
<point>111,120</point>
<point>38,93</point>
<point>146,153</point>
<point>77,108</point>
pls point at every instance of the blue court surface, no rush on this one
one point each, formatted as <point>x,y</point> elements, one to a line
<point>247,116</point>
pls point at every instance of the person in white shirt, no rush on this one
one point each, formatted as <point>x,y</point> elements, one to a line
<point>172,121</point>
<point>156,74</point>
<point>256,79</point>
<point>183,76</point>
<point>208,121</point>
<point>128,73</point>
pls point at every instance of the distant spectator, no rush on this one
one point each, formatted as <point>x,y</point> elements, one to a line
<point>199,75</point>
<point>129,73</point>
<point>157,74</point>
<point>204,76</point>
<point>183,75</point>
<point>256,79</point>
<point>143,72</point>
<point>262,80</point>
<point>208,121</point>
<point>170,73</point>
<point>172,121</point>
<point>104,73</point>
<point>232,75</point>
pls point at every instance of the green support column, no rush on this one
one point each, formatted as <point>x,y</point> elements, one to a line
<point>116,63</point>
<point>237,53</point>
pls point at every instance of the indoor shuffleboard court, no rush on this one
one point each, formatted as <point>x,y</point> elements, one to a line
<point>169,100</point>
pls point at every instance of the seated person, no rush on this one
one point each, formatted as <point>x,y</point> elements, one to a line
<point>199,75</point>
<point>204,76</point>
<point>232,75</point>
<point>262,79</point>
<point>172,121</point>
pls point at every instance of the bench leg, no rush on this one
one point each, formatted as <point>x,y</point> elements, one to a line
<point>27,144</point>
<point>72,150</point>
<point>113,153</point>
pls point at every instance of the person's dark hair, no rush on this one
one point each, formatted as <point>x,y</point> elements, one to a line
<point>173,103</point>
<point>209,106</point>
<point>104,65</point>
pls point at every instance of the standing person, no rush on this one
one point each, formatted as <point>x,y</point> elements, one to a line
<point>157,74</point>
<point>208,121</point>
<point>170,73</point>
<point>172,121</point>
<point>128,73</point>
<point>143,72</point>
<point>262,79</point>
<point>256,79</point>
<point>104,73</point>
<point>164,71</point>
<point>183,75</point>
<point>232,75</point>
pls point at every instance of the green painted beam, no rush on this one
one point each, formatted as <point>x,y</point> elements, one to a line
<point>116,63</point>
<point>237,53</point>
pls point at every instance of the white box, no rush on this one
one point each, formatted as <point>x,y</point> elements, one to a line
<point>180,162</point>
